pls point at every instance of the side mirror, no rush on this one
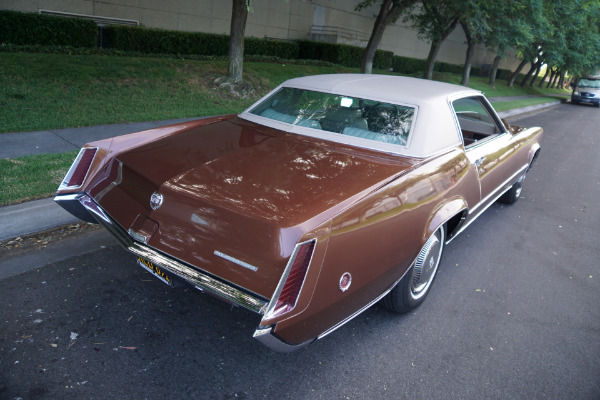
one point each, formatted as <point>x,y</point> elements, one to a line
<point>506,124</point>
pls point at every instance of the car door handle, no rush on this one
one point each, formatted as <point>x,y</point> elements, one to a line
<point>479,161</point>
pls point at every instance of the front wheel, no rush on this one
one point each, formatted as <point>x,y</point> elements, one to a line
<point>411,291</point>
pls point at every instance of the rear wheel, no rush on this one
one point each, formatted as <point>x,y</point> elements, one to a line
<point>411,291</point>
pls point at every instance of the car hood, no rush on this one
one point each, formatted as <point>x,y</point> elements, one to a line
<point>237,196</point>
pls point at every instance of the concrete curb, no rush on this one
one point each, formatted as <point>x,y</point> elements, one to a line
<point>40,215</point>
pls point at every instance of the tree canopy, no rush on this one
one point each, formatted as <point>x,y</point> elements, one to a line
<point>562,34</point>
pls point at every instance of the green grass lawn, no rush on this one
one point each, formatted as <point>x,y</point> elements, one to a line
<point>32,177</point>
<point>52,91</point>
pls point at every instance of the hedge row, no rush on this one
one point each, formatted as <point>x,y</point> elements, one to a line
<point>33,29</point>
<point>343,54</point>
<point>159,41</point>
<point>30,29</point>
<point>408,65</point>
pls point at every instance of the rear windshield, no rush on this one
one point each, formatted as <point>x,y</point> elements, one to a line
<point>352,116</point>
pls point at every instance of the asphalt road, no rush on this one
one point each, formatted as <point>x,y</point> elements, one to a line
<point>513,314</point>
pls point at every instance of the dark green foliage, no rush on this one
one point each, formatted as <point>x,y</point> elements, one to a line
<point>408,65</point>
<point>383,59</point>
<point>343,54</point>
<point>503,74</point>
<point>34,29</point>
<point>449,68</point>
<point>269,47</point>
<point>159,41</point>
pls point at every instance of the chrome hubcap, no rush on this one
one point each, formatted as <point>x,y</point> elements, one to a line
<point>426,265</point>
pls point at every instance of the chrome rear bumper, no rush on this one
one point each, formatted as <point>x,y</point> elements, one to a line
<point>84,207</point>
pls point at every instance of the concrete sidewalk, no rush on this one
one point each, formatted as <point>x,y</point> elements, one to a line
<point>19,144</point>
<point>39,215</point>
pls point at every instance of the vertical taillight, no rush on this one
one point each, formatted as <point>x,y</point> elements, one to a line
<point>79,169</point>
<point>288,290</point>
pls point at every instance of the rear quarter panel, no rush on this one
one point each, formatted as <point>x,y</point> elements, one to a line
<point>377,239</point>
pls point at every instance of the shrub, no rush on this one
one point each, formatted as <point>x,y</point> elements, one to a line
<point>503,74</point>
<point>343,54</point>
<point>408,65</point>
<point>34,29</point>
<point>159,41</point>
<point>449,68</point>
<point>270,47</point>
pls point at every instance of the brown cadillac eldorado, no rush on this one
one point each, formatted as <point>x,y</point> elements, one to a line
<point>329,194</point>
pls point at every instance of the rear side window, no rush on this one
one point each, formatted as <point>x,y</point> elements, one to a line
<point>476,122</point>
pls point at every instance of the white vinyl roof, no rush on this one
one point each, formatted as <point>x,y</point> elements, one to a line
<point>435,128</point>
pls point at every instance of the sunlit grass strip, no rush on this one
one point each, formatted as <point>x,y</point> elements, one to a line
<point>509,105</point>
<point>32,177</point>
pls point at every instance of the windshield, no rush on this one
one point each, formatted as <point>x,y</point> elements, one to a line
<point>352,116</point>
<point>591,83</point>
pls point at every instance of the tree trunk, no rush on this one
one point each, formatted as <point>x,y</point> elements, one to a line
<point>536,73</point>
<point>435,48</point>
<point>494,70</point>
<point>433,52</point>
<point>528,75</point>
<point>545,76</point>
<point>469,56</point>
<point>513,77</point>
<point>551,79</point>
<point>366,66</point>
<point>390,11</point>
<point>561,80</point>
<point>239,15</point>
<point>555,79</point>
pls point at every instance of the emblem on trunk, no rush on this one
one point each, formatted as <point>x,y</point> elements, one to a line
<point>156,200</point>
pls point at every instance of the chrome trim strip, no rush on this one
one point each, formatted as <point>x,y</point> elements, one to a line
<point>68,197</point>
<point>266,337</point>
<point>476,215</point>
<point>357,313</point>
<point>235,261</point>
<point>501,188</point>
<point>191,275</point>
<point>114,183</point>
<point>284,276</point>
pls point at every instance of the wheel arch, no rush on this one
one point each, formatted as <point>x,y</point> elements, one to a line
<point>451,213</point>
<point>534,152</point>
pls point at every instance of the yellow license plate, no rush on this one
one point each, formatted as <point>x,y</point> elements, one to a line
<point>156,271</point>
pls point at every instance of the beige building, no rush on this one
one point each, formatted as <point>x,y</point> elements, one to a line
<point>326,20</point>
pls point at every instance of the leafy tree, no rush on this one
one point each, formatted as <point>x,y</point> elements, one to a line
<point>474,20</point>
<point>509,29</point>
<point>434,23</point>
<point>389,12</point>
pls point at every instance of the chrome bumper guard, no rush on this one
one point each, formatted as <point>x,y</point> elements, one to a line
<point>85,208</point>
